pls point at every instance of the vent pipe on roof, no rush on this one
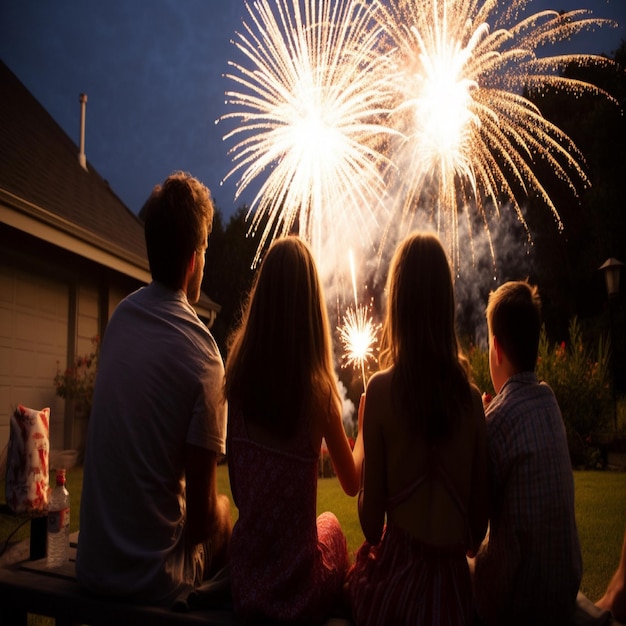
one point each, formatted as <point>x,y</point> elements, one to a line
<point>82,159</point>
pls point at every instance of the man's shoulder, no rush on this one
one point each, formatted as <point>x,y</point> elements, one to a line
<point>507,407</point>
<point>521,409</point>
<point>519,392</point>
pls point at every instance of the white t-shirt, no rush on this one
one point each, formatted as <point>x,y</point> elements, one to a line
<point>158,387</point>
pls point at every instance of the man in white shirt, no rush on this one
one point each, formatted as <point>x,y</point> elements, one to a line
<point>152,521</point>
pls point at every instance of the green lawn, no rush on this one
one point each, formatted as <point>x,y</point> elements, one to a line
<point>601,519</point>
<point>600,513</point>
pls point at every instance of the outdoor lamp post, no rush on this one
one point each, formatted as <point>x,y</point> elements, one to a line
<point>612,268</point>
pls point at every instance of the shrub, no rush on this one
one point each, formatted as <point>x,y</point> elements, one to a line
<point>479,367</point>
<point>580,381</point>
<point>325,467</point>
<point>77,382</point>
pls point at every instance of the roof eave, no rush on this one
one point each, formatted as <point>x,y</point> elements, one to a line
<point>39,222</point>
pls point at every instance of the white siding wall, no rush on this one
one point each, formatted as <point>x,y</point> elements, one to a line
<point>116,295</point>
<point>33,338</point>
<point>87,328</point>
<point>87,322</point>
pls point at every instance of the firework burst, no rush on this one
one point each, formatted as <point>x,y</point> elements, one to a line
<point>471,137</point>
<point>357,117</point>
<point>309,102</point>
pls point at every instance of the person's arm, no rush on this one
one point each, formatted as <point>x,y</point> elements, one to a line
<point>347,462</point>
<point>479,497</point>
<point>372,497</point>
<point>208,513</point>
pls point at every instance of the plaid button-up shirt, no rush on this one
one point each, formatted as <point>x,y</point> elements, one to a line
<point>531,567</point>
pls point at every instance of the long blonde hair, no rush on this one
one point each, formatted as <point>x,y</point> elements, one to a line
<point>279,361</point>
<point>429,384</point>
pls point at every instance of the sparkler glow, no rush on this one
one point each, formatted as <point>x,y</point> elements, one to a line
<point>332,93</point>
<point>358,331</point>
<point>358,335</point>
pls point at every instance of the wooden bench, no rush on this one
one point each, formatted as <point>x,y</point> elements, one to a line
<point>30,587</point>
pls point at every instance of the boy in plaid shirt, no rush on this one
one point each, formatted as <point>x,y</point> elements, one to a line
<point>529,571</point>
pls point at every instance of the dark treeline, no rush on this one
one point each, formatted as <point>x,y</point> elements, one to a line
<point>566,264</point>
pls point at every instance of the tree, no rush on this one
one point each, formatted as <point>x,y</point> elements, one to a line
<point>594,223</point>
<point>228,273</point>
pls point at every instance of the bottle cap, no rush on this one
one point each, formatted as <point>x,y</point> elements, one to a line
<point>61,476</point>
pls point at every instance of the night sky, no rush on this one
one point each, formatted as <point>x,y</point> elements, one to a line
<point>153,73</point>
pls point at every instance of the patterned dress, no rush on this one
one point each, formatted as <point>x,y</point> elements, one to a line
<point>403,580</point>
<point>285,564</point>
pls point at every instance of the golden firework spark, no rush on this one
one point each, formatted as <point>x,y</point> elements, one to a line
<point>308,106</point>
<point>330,94</point>
<point>471,137</point>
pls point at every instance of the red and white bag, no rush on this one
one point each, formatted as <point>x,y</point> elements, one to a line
<point>27,480</point>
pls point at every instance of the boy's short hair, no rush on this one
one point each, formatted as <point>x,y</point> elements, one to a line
<point>514,317</point>
<point>178,221</point>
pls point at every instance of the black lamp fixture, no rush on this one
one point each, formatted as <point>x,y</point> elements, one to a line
<point>612,268</point>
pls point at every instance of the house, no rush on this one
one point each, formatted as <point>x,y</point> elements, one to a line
<point>70,250</point>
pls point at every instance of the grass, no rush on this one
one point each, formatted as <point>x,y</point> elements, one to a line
<point>601,519</point>
<point>600,515</point>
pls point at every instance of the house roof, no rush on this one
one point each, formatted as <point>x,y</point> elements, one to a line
<point>42,180</point>
<point>46,192</point>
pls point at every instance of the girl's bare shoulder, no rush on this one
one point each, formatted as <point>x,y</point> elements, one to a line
<point>380,381</point>
<point>378,396</point>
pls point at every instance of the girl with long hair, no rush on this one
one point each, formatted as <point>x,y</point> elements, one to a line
<point>283,399</point>
<point>423,502</point>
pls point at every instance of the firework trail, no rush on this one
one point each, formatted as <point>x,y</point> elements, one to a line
<point>358,331</point>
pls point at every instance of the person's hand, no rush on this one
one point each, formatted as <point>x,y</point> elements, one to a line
<point>487,398</point>
<point>361,412</point>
